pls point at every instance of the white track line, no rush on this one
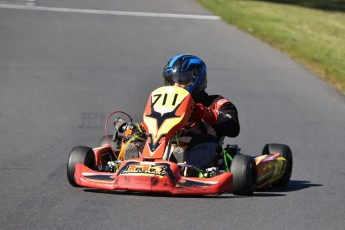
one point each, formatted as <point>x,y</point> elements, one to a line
<point>108,12</point>
<point>30,2</point>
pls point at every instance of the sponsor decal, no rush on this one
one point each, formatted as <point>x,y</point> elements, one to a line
<point>159,170</point>
<point>264,172</point>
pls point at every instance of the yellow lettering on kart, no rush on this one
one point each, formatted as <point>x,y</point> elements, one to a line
<point>149,170</point>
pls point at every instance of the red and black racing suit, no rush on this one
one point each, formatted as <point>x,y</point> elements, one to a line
<point>203,138</point>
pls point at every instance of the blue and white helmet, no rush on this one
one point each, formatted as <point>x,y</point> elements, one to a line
<point>188,71</point>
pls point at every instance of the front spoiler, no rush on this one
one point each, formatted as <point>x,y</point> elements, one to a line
<point>158,177</point>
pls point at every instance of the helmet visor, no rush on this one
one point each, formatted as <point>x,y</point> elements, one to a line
<point>184,79</point>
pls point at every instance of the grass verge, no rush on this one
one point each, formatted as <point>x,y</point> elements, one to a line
<point>313,37</point>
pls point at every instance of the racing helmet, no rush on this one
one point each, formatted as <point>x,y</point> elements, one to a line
<point>188,71</point>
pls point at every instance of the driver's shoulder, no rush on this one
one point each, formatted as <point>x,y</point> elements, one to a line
<point>215,101</point>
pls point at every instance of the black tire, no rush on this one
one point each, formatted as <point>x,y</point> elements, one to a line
<point>243,169</point>
<point>285,152</point>
<point>79,154</point>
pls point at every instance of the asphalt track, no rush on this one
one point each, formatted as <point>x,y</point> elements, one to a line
<point>62,73</point>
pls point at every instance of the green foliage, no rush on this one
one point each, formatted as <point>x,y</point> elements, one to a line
<point>313,37</point>
<point>334,5</point>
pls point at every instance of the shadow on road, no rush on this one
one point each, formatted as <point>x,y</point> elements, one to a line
<point>293,185</point>
<point>330,5</point>
<point>164,195</point>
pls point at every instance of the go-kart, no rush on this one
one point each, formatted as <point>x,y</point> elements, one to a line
<point>155,170</point>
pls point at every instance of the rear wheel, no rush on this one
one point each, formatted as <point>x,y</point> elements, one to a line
<point>243,170</point>
<point>79,154</point>
<point>285,152</point>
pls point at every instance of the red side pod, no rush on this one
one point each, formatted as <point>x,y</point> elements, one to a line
<point>269,169</point>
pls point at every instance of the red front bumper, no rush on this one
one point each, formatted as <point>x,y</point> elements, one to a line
<point>158,177</point>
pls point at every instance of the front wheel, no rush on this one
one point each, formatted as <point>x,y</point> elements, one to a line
<point>286,153</point>
<point>243,169</point>
<point>79,154</point>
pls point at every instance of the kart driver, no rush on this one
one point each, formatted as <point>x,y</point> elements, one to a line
<point>217,115</point>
